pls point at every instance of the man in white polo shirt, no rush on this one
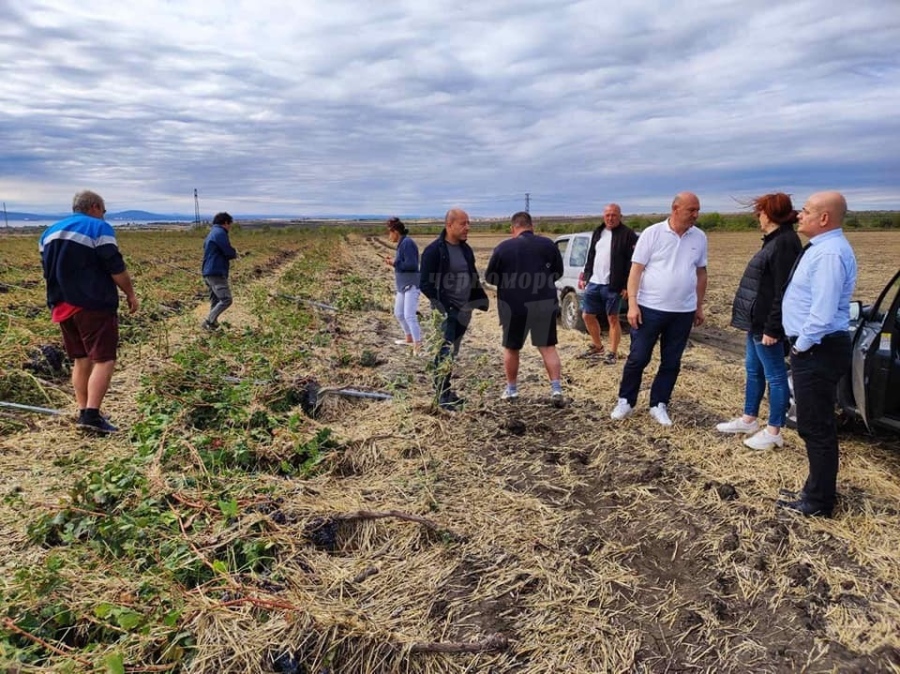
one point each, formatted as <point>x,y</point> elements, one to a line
<point>666,287</point>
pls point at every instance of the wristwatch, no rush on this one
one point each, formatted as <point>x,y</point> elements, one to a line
<point>796,352</point>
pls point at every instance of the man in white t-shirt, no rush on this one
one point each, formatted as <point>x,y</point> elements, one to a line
<point>666,287</point>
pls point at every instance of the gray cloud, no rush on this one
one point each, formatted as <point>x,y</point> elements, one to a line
<point>334,107</point>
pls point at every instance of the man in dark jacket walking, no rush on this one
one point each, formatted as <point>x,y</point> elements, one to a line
<point>449,279</point>
<point>217,252</point>
<point>524,270</point>
<point>605,278</point>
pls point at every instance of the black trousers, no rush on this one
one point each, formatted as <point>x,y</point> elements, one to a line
<point>453,328</point>
<point>816,374</point>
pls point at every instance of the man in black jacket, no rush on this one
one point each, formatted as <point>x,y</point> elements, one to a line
<point>524,270</point>
<point>449,279</point>
<point>605,278</point>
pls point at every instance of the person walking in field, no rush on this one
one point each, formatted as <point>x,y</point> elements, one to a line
<point>816,318</point>
<point>449,279</point>
<point>666,288</point>
<point>524,269</point>
<point>84,270</point>
<point>757,310</point>
<point>605,280</point>
<point>406,277</point>
<point>217,255</point>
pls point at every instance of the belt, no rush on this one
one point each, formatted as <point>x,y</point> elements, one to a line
<point>831,336</point>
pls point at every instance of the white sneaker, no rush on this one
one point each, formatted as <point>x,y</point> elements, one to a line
<point>509,395</point>
<point>622,410</point>
<point>764,440</point>
<point>738,425</point>
<point>661,414</point>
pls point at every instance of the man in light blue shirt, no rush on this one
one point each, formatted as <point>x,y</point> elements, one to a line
<point>816,319</point>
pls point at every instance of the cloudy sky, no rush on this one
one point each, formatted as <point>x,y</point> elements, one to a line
<point>386,107</point>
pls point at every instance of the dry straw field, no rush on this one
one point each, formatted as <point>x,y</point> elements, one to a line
<point>251,519</point>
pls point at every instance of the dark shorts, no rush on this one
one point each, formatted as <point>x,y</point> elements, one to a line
<point>91,334</point>
<point>599,299</point>
<point>539,320</point>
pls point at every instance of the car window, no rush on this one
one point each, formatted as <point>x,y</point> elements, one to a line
<point>580,245</point>
<point>563,246</point>
<point>887,298</point>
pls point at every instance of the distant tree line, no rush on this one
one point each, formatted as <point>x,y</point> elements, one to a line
<point>708,222</point>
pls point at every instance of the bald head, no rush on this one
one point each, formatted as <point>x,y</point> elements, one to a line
<point>822,212</point>
<point>685,211</point>
<point>834,203</point>
<point>456,224</point>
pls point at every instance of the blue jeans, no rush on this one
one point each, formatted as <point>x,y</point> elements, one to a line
<point>671,329</point>
<point>765,364</point>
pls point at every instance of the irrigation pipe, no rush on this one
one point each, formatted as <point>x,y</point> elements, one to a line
<point>240,380</point>
<point>30,408</point>
<point>353,393</point>
<point>320,305</point>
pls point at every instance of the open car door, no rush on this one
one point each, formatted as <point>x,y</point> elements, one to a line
<point>872,357</point>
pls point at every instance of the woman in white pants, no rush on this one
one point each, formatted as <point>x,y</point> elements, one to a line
<point>406,273</point>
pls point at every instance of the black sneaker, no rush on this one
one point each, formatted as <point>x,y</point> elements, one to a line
<point>451,402</point>
<point>209,327</point>
<point>99,425</point>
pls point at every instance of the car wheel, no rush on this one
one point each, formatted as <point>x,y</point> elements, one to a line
<point>570,312</point>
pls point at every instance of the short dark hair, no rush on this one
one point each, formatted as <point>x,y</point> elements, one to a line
<point>222,219</point>
<point>396,225</point>
<point>522,219</point>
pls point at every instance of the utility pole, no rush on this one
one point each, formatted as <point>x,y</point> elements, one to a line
<point>196,209</point>
<point>528,202</point>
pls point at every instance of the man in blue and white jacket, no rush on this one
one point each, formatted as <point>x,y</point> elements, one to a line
<point>84,270</point>
<point>217,253</point>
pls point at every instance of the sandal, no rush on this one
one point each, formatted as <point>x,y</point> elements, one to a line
<point>592,352</point>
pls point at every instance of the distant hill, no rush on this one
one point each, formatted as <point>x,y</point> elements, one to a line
<point>119,216</point>
<point>16,215</point>
<point>147,215</point>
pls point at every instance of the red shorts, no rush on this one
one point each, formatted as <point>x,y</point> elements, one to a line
<point>91,334</point>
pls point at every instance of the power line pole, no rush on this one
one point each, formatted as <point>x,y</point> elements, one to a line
<point>196,209</point>
<point>528,202</point>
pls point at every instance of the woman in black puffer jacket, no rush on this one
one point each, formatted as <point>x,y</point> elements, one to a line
<point>757,310</point>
